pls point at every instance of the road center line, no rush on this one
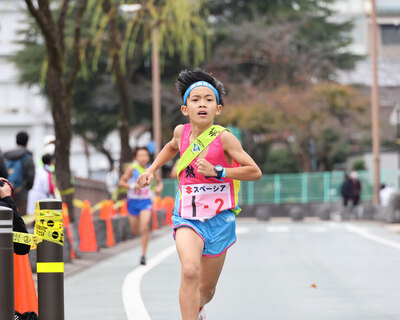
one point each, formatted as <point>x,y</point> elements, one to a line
<point>131,294</point>
<point>366,234</point>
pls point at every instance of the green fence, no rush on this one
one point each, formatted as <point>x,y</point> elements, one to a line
<point>299,187</point>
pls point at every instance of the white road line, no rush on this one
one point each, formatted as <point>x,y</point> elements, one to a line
<point>276,229</point>
<point>131,295</point>
<point>242,230</point>
<point>366,234</point>
<point>318,229</point>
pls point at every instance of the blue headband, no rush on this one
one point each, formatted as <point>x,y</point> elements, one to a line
<point>200,84</point>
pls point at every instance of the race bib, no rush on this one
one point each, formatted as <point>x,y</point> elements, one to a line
<point>205,200</point>
<point>142,193</point>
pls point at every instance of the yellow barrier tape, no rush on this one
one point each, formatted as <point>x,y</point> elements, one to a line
<point>67,191</point>
<point>48,226</point>
<point>26,238</point>
<point>118,204</point>
<point>117,192</point>
<point>98,205</point>
<point>28,218</point>
<point>50,267</point>
<point>78,203</point>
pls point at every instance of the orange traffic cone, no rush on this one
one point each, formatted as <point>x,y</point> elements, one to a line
<point>113,210</point>
<point>25,297</point>
<point>154,219</point>
<point>87,234</point>
<point>68,227</point>
<point>123,211</point>
<point>168,204</point>
<point>106,214</point>
<point>156,206</point>
<point>157,203</point>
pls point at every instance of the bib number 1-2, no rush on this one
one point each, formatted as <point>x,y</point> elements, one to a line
<point>201,201</point>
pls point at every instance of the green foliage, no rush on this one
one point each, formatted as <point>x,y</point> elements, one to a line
<point>183,35</point>
<point>270,43</point>
<point>358,165</point>
<point>280,160</point>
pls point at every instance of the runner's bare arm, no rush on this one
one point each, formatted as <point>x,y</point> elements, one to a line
<point>248,169</point>
<point>123,181</point>
<point>167,153</point>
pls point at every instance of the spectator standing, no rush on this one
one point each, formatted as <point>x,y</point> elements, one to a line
<point>356,188</point>
<point>21,171</point>
<point>43,186</point>
<point>6,200</point>
<point>346,189</point>
<point>385,194</point>
<point>3,169</point>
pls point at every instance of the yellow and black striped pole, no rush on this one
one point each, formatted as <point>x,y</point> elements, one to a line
<point>50,264</point>
<point>6,264</point>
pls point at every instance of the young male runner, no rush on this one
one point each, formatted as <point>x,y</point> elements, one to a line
<point>138,199</point>
<point>211,160</point>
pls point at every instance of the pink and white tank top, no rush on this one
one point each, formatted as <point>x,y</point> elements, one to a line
<point>200,197</point>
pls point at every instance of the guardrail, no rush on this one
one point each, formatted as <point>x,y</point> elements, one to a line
<point>299,187</point>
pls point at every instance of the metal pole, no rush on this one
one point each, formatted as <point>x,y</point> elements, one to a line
<point>375,104</point>
<point>156,89</point>
<point>398,136</point>
<point>6,265</point>
<point>50,271</point>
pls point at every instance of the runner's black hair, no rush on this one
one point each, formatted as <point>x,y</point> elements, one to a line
<point>186,78</point>
<point>141,148</point>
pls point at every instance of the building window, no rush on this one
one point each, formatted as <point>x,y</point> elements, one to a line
<point>390,34</point>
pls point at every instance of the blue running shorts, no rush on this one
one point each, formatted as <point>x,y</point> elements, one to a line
<point>218,233</point>
<point>137,205</point>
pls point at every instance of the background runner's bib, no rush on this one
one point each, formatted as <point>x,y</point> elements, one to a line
<point>140,193</point>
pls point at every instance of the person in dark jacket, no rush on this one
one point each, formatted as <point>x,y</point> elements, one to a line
<point>356,188</point>
<point>3,169</point>
<point>24,156</point>
<point>6,200</point>
<point>346,189</point>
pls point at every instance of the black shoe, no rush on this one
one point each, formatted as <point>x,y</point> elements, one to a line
<point>143,260</point>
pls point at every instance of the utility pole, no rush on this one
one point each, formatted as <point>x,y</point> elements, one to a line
<point>375,104</point>
<point>397,108</point>
<point>156,89</point>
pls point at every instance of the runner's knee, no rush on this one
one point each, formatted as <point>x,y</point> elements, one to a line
<point>190,272</point>
<point>144,228</point>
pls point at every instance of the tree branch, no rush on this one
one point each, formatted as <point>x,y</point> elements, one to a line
<point>61,21</point>
<point>36,14</point>
<point>77,38</point>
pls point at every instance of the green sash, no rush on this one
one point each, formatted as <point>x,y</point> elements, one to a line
<point>197,146</point>
<point>140,169</point>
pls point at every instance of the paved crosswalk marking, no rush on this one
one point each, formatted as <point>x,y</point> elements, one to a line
<point>277,229</point>
<point>242,230</point>
<point>317,229</point>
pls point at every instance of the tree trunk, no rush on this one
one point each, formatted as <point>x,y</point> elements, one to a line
<point>59,89</point>
<point>61,111</point>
